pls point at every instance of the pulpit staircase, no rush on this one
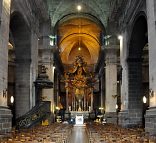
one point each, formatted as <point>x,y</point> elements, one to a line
<point>35,116</point>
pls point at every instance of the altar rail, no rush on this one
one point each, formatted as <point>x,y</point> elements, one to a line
<point>84,113</point>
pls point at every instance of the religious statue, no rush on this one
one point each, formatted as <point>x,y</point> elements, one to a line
<point>78,82</point>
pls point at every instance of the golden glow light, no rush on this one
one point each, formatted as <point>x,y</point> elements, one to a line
<point>79,48</point>
<point>57,108</point>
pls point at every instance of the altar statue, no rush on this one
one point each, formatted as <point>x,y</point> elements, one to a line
<point>78,82</point>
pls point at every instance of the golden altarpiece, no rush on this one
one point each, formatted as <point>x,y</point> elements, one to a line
<point>79,81</point>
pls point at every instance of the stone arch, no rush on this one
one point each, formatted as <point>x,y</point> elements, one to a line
<point>91,36</point>
<point>136,61</point>
<point>81,15</point>
<point>21,36</point>
<point>85,15</point>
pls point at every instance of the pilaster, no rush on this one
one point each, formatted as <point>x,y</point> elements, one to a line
<point>5,113</point>
<point>46,59</point>
<point>102,92</point>
<point>150,121</point>
<point>150,117</point>
<point>111,83</point>
<point>33,66</point>
<point>5,120</point>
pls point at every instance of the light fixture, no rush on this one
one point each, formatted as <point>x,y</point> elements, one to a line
<point>57,108</point>
<point>144,99</point>
<point>51,43</point>
<point>100,108</point>
<point>79,48</point>
<point>52,37</point>
<point>116,106</point>
<point>52,40</point>
<point>12,99</point>
<point>107,36</point>
<point>120,37</point>
<point>79,7</point>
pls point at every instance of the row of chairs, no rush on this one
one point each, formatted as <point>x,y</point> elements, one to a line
<point>110,133</point>
<point>54,133</point>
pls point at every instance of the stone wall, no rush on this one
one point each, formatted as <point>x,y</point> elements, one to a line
<point>150,121</point>
<point>111,117</point>
<point>30,15</point>
<point>27,17</point>
<point>150,117</point>
<point>5,120</point>
<point>123,118</point>
<point>131,108</point>
<point>5,113</point>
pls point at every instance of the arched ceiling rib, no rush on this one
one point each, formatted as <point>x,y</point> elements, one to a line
<point>79,32</point>
<point>80,29</point>
<point>80,38</point>
<point>99,8</point>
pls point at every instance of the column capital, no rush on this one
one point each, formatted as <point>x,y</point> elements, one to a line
<point>46,55</point>
<point>111,54</point>
<point>112,49</point>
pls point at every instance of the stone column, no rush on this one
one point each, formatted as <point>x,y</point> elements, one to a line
<point>111,83</point>
<point>57,90</point>
<point>150,117</point>
<point>84,102</point>
<point>92,99</point>
<point>123,114</point>
<point>48,93</point>
<point>102,93</point>
<point>46,58</point>
<point>67,96</point>
<point>5,113</point>
<point>33,66</point>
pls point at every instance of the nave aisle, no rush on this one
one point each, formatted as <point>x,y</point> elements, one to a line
<point>91,133</point>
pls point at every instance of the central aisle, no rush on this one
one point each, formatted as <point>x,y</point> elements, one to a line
<point>79,135</point>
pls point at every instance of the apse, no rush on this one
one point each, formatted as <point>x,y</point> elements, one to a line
<point>79,36</point>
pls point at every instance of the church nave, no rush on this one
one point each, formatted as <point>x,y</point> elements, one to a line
<point>89,133</point>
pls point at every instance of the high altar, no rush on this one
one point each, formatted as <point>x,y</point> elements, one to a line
<point>79,88</point>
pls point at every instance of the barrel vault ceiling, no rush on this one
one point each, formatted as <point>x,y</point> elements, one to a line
<point>79,34</point>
